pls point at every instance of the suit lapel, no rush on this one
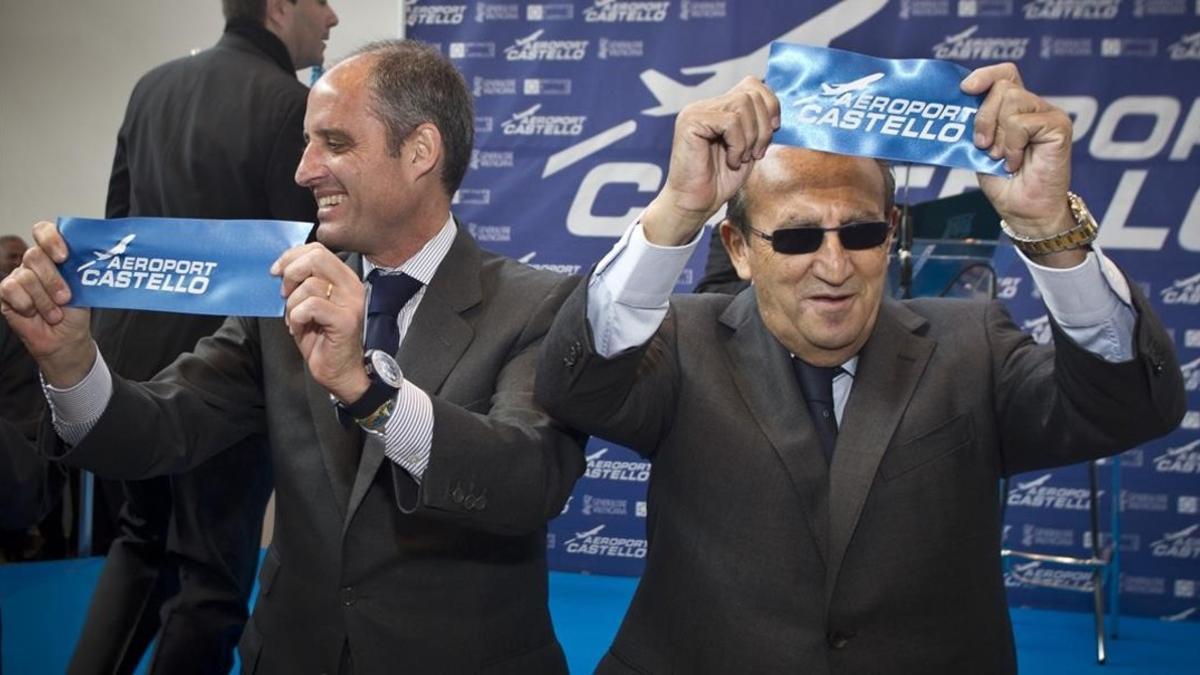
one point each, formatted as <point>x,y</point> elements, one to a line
<point>889,367</point>
<point>433,343</point>
<point>762,371</point>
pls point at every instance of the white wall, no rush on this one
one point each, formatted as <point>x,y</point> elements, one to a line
<point>66,70</point>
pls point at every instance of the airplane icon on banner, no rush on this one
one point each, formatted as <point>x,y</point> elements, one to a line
<point>101,256</point>
<point>857,85</point>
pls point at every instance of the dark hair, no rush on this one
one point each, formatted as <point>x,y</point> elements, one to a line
<point>738,207</point>
<point>412,83</point>
<point>254,10</point>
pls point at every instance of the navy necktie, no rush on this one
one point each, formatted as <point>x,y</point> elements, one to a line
<point>389,294</point>
<point>817,386</point>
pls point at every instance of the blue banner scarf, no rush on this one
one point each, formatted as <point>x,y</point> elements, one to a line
<point>193,266</point>
<point>905,110</point>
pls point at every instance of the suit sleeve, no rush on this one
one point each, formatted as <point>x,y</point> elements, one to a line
<point>117,204</point>
<point>628,398</point>
<point>1067,405</point>
<point>199,405</point>
<point>502,465</point>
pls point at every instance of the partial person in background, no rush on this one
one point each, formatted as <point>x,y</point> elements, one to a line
<point>214,135</point>
<point>414,474</point>
<point>12,248</point>
<point>826,461</point>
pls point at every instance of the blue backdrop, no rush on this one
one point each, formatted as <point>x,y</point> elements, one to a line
<point>575,106</point>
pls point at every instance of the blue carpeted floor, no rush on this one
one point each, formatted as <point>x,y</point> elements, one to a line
<point>43,606</point>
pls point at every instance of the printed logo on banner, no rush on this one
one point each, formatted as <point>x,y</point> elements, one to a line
<point>472,50</point>
<point>620,49</point>
<point>603,506</point>
<point>639,508</point>
<point>1130,459</point>
<point>491,159</point>
<point>528,123</point>
<point>1181,616</point>
<point>490,233</point>
<point>590,542</point>
<point>532,48</point>
<point>1143,585</point>
<point>1033,575</point>
<point>488,11</point>
<point>481,196</point>
<point>620,11</point>
<point>1143,8</point>
<point>975,8</point>
<point>1056,48</point>
<point>1037,495</point>
<point>1007,287</point>
<point>1181,459</point>
<point>1182,292</point>
<point>1182,544</point>
<point>416,14</point>
<point>1130,543</point>
<point>849,106</point>
<point>490,86</point>
<point>965,46</point>
<point>702,9</point>
<point>1145,501</point>
<point>1188,47</point>
<point>484,124</point>
<point>1191,338</point>
<point>1033,535</point>
<point>1118,47</point>
<point>1073,10</point>
<point>545,86</point>
<point>1191,375</point>
<point>558,11</point>
<point>925,8</point>
<point>1039,329</point>
<point>1191,420</point>
<point>527,259</point>
<point>607,469</point>
<point>1185,588</point>
<point>1187,505</point>
<point>112,268</point>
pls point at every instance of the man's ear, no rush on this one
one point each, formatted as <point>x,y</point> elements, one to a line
<point>276,12</point>
<point>422,150</point>
<point>737,247</point>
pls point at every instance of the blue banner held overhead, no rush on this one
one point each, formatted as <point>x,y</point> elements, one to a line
<point>905,110</point>
<point>192,266</point>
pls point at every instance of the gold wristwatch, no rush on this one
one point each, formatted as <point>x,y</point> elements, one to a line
<point>1081,235</point>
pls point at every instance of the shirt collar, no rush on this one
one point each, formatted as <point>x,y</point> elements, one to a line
<point>424,264</point>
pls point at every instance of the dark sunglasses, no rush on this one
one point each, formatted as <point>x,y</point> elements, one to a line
<point>854,237</point>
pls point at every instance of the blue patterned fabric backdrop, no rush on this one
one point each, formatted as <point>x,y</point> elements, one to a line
<point>575,106</point>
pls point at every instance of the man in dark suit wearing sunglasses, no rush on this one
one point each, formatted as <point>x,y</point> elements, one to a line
<point>824,497</point>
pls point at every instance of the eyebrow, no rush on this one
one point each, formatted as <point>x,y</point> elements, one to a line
<point>334,134</point>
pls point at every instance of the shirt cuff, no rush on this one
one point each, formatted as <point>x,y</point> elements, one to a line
<point>408,436</point>
<point>640,274</point>
<point>75,410</point>
<point>1085,295</point>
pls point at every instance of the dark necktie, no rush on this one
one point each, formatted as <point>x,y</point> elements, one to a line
<point>817,386</point>
<point>389,294</point>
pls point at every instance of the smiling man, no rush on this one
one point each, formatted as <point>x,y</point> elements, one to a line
<point>414,474</point>
<point>826,462</point>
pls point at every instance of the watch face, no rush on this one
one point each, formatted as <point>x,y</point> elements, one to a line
<point>387,369</point>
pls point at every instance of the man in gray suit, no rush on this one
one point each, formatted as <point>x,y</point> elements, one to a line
<point>854,527</point>
<point>411,492</point>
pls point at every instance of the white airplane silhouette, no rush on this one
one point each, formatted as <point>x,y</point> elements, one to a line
<point>1180,616</point>
<point>1186,282</point>
<point>818,31</point>
<point>101,256</point>
<point>527,112</point>
<point>527,257</point>
<point>857,85</point>
<point>521,42</point>
<point>1036,482</point>
<point>1183,449</point>
<point>597,454</point>
<point>1175,536</point>
<point>585,535</point>
<point>959,37</point>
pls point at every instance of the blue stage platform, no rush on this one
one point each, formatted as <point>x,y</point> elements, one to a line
<point>43,607</point>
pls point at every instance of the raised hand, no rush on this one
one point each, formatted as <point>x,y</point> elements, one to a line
<point>33,299</point>
<point>1034,138</point>
<point>324,314</point>
<point>716,143</point>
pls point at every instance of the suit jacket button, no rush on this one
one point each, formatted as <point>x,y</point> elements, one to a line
<point>1159,367</point>
<point>348,598</point>
<point>480,502</point>
<point>838,639</point>
<point>573,354</point>
<point>456,495</point>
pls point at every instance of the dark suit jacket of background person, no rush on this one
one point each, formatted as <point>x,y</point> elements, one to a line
<point>762,559</point>
<point>214,135</point>
<point>28,487</point>
<point>445,577</point>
